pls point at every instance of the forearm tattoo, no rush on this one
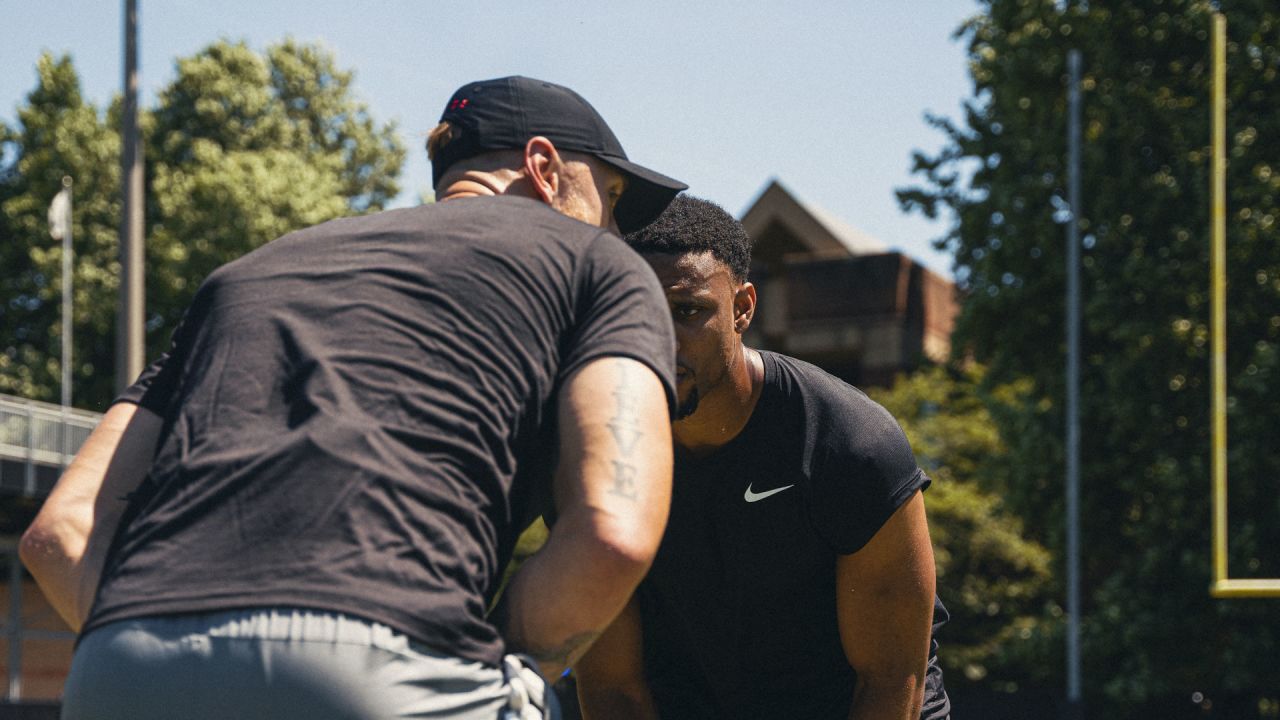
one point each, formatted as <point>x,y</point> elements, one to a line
<point>625,426</point>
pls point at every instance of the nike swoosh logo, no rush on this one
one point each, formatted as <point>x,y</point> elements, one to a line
<point>757,497</point>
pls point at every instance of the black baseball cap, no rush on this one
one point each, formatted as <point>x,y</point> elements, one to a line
<point>504,113</point>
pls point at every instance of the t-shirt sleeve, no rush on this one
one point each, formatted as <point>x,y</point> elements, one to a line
<point>622,312</point>
<point>156,386</point>
<point>863,471</point>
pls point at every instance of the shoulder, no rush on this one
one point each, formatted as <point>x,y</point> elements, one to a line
<point>860,467</point>
<point>505,212</point>
<point>608,252</point>
<point>619,309</point>
<point>847,434</point>
<point>841,411</point>
<point>498,216</point>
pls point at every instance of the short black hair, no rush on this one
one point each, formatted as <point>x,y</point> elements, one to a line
<point>693,225</point>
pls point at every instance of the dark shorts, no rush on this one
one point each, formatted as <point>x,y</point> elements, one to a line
<point>937,706</point>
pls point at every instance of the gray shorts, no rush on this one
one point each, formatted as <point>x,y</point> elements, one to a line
<point>284,663</point>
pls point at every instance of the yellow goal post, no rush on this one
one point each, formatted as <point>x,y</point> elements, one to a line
<point>1223,585</point>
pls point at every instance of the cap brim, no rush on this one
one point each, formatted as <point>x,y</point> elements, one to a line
<point>648,193</point>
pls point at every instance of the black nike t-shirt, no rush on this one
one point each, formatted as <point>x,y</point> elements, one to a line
<point>359,417</point>
<point>739,608</point>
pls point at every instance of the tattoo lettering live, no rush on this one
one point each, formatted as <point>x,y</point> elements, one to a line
<point>626,433</point>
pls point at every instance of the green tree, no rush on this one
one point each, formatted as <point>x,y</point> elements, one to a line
<point>245,147</point>
<point>59,134</point>
<point>1148,618</point>
<point>241,147</point>
<point>994,580</point>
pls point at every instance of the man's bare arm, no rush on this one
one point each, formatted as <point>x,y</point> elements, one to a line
<point>66,546</point>
<point>884,604</point>
<point>612,493</point>
<point>611,680</point>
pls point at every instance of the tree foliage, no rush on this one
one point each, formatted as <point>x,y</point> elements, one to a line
<point>241,147</point>
<point>993,579</point>
<point>59,134</point>
<point>1148,618</point>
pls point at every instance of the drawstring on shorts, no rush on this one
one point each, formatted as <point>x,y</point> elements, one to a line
<point>529,696</point>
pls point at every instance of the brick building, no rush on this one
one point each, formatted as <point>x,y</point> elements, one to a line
<point>839,298</point>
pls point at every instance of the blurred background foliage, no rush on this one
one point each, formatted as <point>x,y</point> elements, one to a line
<point>994,579</point>
<point>1150,629</point>
<point>241,147</point>
<point>244,146</point>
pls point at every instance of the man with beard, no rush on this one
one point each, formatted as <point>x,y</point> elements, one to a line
<point>303,510</point>
<point>796,576</point>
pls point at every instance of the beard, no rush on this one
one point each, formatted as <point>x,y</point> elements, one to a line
<point>689,406</point>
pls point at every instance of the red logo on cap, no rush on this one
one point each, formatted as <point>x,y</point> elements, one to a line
<point>458,104</point>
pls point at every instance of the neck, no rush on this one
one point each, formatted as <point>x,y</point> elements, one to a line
<point>474,183</point>
<point>468,188</point>
<point>724,412</point>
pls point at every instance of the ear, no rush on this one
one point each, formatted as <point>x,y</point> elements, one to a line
<point>744,307</point>
<point>542,166</point>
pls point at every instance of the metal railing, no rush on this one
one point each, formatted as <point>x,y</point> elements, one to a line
<point>35,433</point>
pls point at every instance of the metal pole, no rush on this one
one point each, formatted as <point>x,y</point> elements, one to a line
<point>129,328</point>
<point>1223,585</point>
<point>1073,383</point>
<point>1218,299</point>
<point>13,631</point>
<point>64,433</point>
<point>66,298</point>
<point>29,477</point>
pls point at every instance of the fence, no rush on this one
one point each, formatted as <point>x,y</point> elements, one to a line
<point>37,440</point>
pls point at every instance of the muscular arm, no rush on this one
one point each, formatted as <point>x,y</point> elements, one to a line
<point>884,605</point>
<point>66,546</point>
<point>611,682</point>
<point>612,492</point>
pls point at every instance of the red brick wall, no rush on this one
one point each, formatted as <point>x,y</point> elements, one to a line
<point>45,662</point>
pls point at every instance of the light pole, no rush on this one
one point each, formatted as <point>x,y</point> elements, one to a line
<point>129,336</point>
<point>1073,386</point>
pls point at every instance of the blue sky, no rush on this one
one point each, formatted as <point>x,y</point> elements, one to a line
<point>829,97</point>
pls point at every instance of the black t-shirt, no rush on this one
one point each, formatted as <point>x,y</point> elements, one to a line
<point>739,609</point>
<point>359,416</point>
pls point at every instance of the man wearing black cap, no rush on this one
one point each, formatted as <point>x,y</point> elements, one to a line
<point>304,507</point>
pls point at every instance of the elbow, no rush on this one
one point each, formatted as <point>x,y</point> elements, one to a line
<point>621,550</point>
<point>632,539</point>
<point>44,550</point>
<point>632,552</point>
<point>37,548</point>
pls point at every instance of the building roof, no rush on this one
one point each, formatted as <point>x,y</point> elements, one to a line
<point>777,217</point>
